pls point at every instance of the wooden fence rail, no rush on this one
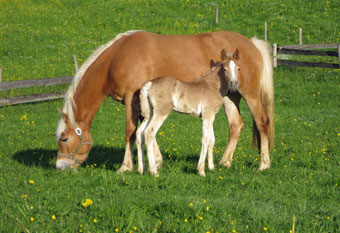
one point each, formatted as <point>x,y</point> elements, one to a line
<point>32,83</point>
<point>303,50</point>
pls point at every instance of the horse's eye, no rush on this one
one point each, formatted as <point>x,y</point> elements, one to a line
<point>63,139</point>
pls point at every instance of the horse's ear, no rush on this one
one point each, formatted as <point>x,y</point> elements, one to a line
<point>223,54</point>
<point>236,54</point>
<point>63,115</point>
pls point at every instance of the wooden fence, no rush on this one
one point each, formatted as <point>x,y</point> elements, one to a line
<point>307,50</point>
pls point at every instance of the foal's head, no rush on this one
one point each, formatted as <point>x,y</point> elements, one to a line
<point>231,69</point>
<point>74,145</point>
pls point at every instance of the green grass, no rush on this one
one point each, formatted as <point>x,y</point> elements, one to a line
<point>38,40</point>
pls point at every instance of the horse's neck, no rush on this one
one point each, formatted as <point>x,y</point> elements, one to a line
<point>88,98</point>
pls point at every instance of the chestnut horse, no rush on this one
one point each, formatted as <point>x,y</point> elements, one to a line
<point>202,97</point>
<point>120,68</point>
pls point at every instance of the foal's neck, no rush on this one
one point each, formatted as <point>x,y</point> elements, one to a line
<point>213,78</point>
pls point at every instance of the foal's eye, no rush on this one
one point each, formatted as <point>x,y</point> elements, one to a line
<point>63,139</point>
<point>238,69</point>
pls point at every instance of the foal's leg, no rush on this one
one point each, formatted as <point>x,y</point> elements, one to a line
<point>262,124</point>
<point>232,111</point>
<point>140,141</point>
<point>150,139</point>
<point>205,143</point>
<point>211,145</point>
<point>131,111</point>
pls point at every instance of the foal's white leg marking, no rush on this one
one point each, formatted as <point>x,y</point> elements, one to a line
<point>150,139</point>
<point>205,142</point>
<point>211,145</point>
<point>140,141</point>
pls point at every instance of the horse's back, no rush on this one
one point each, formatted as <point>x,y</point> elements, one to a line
<point>144,56</point>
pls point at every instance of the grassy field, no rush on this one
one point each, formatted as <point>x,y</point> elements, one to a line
<point>38,39</point>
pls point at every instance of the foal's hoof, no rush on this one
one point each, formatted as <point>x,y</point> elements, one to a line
<point>202,173</point>
<point>123,169</point>
<point>141,171</point>
<point>264,166</point>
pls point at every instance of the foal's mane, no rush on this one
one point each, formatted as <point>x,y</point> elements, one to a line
<point>69,104</point>
<point>209,72</point>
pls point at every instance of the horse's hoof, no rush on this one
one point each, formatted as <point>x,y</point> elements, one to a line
<point>225,164</point>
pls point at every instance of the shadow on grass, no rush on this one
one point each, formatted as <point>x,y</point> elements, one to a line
<point>47,158</point>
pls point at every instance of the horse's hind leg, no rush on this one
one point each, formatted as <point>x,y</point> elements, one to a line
<point>262,123</point>
<point>132,114</point>
<point>232,111</point>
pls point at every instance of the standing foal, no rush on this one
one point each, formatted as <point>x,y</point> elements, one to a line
<point>202,98</point>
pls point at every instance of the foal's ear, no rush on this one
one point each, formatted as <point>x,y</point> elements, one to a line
<point>224,55</point>
<point>212,63</point>
<point>236,54</point>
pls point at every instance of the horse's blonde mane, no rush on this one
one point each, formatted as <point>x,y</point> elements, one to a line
<point>69,104</point>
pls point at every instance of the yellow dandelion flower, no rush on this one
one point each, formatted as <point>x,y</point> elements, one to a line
<point>265,228</point>
<point>31,181</point>
<point>53,217</point>
<point>95,220</point>
<point>135,228</point>
<point>185,220</point>
<point>116,230</point>
<point>31,207</point>
<point>87,203</point>
<point>24,196</point>
<point>191,205</point>
<point>32,219</point>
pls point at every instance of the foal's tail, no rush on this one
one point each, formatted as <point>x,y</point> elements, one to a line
<point>144,100</point>
<point>267,90</point>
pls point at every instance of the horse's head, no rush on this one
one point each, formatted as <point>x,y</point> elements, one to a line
<point>231,68</point>
<point>74,145</point>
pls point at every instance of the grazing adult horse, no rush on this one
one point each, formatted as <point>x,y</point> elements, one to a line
<point>202,97</point>
<point>120,68</point>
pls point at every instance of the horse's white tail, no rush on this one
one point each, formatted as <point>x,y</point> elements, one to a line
<point>267,89</point>
<point>144,100</point>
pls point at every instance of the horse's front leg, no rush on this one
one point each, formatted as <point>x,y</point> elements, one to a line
<point>132,114</point>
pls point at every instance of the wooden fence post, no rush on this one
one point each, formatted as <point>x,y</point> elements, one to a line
<point>300,36</point>
<point>216,20</point>
<point>75,62</point>
<point>275,55</point>
<point>265,31</point>
<point>339,54</point>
